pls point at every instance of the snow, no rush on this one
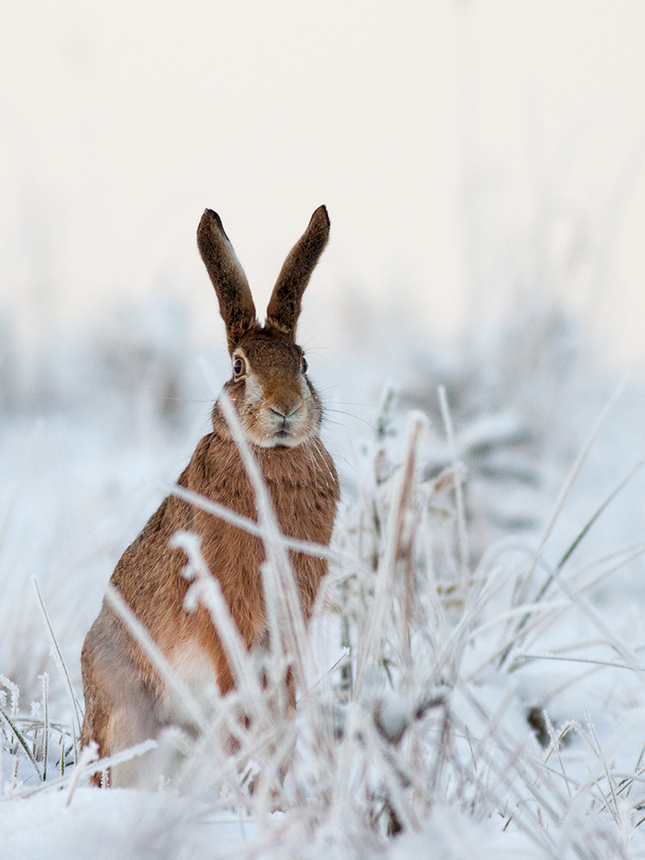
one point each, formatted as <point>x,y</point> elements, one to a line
<point>434,751</point>
<point>118,823</point>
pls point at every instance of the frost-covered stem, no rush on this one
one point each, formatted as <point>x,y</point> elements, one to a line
<point>393,779</point>
<point>464,551</point>
<point>90,763</point>
<point>345,762</point>
<point>385,412</point>
<point>555,747</point>
<point>158,660</point>
<point>373,627</point>
<point>580,537</point>
<point>208,591</point>
<point>278,650</point>
<point>573,474</point>
<point>442,755</point>
<point>587,609</point>
<point>495,731</point>
<point>284,591</point>
<point>44,678</point>
<point>21,740</point>
<point>248,525</point>
<point>88,755</point>
<point>346,676</point>
<point>15,693</point>
<point>60,663</point>
<point>407,553</point>
<point>270,778</point>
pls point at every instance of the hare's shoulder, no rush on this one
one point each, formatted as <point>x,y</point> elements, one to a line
<point>145,563</point>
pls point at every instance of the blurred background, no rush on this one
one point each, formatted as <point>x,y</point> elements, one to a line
<point>482,164</point>
<point>464,150</point>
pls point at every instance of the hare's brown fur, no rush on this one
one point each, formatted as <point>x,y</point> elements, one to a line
<point>125,699</point>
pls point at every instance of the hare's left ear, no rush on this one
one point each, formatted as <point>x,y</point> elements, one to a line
<point>235,300</point>
<point>284,307</point>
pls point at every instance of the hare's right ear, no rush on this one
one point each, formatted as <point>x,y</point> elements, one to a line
<point>235,300</point>
<point>284,306</point>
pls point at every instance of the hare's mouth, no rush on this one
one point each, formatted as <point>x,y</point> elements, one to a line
<point>287,437</point>
<point>280,439</point>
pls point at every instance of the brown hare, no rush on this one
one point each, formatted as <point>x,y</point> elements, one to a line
<point>126,700</point>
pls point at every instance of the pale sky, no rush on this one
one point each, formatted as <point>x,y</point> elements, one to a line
<point>459,147</point>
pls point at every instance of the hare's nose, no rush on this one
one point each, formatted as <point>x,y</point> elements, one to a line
<point>285,411</point>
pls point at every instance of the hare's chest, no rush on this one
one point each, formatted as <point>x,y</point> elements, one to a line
<point>301,511</point>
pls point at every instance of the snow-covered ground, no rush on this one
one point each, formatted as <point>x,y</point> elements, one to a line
<point>492,701</point>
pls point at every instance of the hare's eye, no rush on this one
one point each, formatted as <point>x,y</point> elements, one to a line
<point>238,367</point>
<point>304,364</point>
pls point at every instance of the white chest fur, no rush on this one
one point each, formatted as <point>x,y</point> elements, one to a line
<point>194,669</point>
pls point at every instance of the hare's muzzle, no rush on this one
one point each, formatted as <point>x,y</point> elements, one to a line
<point>288,421</point>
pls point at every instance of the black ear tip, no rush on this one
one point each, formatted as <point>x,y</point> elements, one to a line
<point>322,215</point>
<point>211,215</point>
<point>210,221</point>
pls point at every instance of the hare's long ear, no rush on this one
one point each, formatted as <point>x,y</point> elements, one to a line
<point>284,307</point>
<point>235,300</point>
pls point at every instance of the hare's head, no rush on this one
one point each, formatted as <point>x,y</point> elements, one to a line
<point>269,387</point>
